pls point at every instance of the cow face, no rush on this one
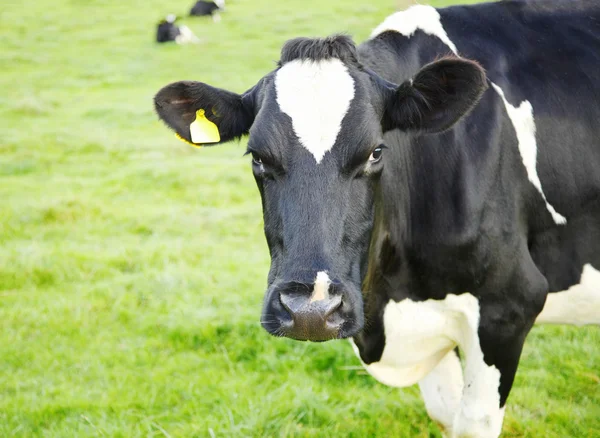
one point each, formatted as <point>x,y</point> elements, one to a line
<point>316,128</point>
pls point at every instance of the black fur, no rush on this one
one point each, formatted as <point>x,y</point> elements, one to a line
<point>336,46</point>
<point>177,103</point>
<point>439,95</point>
<point>203,8</point>
<point>166,31</point>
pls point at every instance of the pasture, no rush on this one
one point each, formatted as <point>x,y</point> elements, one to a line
<point>132,266</point>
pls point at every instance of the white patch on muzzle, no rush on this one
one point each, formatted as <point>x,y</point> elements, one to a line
<point>321,290</point>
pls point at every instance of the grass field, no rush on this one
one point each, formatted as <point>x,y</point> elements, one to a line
<point>132,266</point>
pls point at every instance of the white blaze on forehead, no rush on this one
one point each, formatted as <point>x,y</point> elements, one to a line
<point>321,290</point>
<point>316,95</point>
<point>418,17</point>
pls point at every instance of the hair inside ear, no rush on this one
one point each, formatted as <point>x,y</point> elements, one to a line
<point>179,105</point>
<point>439,96</point>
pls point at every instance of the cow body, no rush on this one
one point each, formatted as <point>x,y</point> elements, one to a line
<point>208,8</point>
<point>167,31</point>
<point>505,206</point>
<point>479,208</point>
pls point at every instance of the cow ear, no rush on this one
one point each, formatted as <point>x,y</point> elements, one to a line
<point>184,103</point>
<point>437,97</point>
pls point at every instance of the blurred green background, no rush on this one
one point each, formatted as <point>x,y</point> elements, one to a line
<point>132,266</point>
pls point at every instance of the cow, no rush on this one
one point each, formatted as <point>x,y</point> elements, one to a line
<point>167,31</point>
<point>428,194</point>
<point>208,8</point>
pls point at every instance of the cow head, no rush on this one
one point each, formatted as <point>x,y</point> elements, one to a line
<point>316,127</point>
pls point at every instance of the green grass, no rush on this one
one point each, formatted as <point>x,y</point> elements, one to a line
<point>132,266</point>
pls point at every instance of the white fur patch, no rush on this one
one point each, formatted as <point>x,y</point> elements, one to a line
<point>524,124</point>
<point>418,335</point>
<point>186,36</point>
<point>427,19</point>
<point>418,17</point>
<point>316,96</point>
<point>579,305</point>
<point>441,390</point>
<point>321,289</point>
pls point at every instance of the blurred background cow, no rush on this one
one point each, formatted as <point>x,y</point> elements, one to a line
<point>206,8</point>
<point>167,31</point>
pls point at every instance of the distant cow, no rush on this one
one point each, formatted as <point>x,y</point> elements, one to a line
<point>206,8</point>
<point>167,31</point>
<point>423,204</point>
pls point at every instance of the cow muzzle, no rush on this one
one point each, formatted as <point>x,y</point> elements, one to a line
<point>317,312</point>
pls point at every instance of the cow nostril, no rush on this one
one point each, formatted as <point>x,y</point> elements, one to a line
<point>332,306</point>
<point>314,320</point>
<point>293,303</point>
<point>284,304</point>
<point>299,306</point>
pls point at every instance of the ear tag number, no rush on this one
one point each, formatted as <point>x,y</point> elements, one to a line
<point>203,130</point>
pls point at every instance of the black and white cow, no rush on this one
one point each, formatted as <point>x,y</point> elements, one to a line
<point>167,31</point>
<point>208,8</point>
<point>428,191</point>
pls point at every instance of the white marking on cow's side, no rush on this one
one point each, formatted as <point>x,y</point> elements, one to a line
<point>418,335</point>
<point>524,124</point>
<point>428,20</point>
<point>579,305</point>
<point>316,96</point>
<point>186,36</point>
<point>417,17</point>
<point>441,390</point>
<point>321,290</point>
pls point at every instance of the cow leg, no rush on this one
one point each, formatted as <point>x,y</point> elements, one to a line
<point>441,390</point>
<point>480,413</point>
<point>492,343</point>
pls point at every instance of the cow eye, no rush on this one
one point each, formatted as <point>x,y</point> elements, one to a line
<point>376,154</point>
<point>256,159</point>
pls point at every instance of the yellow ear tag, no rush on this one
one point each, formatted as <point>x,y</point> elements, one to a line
<point>179,137</point>
<point>203,130</point>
